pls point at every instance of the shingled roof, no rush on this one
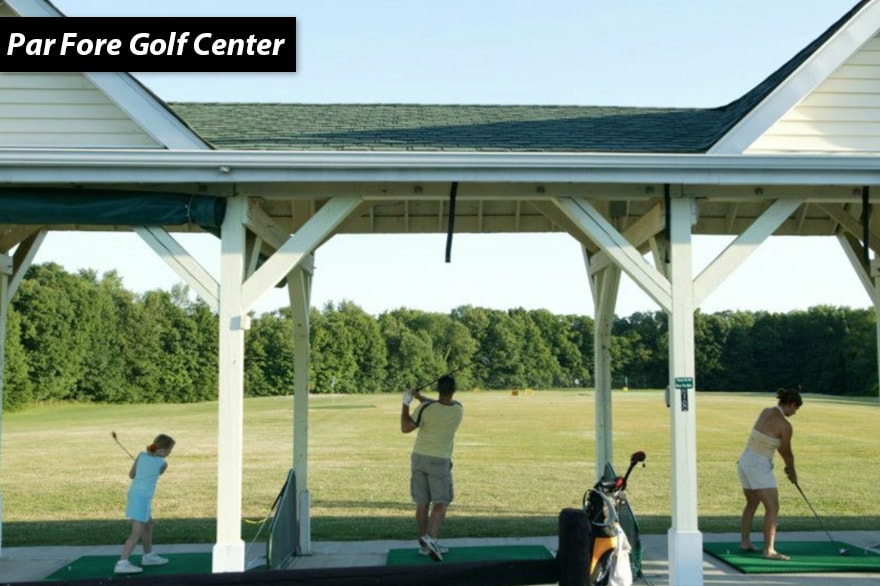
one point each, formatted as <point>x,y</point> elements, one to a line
<point>488,128</point>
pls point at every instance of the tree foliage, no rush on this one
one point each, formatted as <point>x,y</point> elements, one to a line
<point>84,337</point>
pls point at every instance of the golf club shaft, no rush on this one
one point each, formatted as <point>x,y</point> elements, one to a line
<point>815,514</point>
<point>426,385</point>
<point>119,443</point>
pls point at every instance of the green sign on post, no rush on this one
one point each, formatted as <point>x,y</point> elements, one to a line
<point>683,383</point>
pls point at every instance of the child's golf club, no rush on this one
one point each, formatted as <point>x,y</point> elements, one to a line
<point>840,551</point>
<point>116,439</point>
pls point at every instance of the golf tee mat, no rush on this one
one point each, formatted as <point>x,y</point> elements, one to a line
<point>90,567</point>
<point>482,553</point>
<point>806,557</point>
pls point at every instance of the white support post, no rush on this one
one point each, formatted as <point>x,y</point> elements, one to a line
<point>606,286</point>
<point>12,271</point>
<point>875,275</point>
<point>4,308</point>
<point>229,552</point>
<point>684,538</point>
<point>299,286</point>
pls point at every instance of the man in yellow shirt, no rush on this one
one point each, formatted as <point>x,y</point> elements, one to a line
<point>431,460</point>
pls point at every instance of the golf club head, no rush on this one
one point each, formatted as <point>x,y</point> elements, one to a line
<point>636,458</point>
<point>119,443</point>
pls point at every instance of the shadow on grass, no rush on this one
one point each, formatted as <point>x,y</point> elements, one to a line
<point>365,528</point>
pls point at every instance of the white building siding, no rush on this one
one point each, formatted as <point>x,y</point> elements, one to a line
<point>841,115</point>
<point>63,110</point>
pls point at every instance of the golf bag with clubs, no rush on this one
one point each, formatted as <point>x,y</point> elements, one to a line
<point>614,546</point>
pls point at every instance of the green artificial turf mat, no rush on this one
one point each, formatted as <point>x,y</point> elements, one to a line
<point>481,553</point>
<point>101,566</point>
<point>806,556</point>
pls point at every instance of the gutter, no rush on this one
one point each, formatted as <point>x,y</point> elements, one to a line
<point>50,166</point>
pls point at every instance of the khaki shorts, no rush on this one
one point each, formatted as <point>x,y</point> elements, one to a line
<point>431,480</point>
<point>755,471</point>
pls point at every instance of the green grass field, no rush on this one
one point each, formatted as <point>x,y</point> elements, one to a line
<point>519,460</point>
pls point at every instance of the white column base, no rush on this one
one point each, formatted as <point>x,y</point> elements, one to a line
<point>685,558</point>
<point>305,524</point>
<point>228,557</point>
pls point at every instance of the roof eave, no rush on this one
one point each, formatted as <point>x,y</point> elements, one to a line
<point>54,166</point>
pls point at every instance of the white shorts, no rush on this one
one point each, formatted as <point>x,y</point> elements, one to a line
<point>755,471</point>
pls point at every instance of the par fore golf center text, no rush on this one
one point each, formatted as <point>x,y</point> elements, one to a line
<point>144,44</point>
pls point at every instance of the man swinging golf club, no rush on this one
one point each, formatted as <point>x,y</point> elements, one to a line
<point>431,459</point>
<point>772,432</point>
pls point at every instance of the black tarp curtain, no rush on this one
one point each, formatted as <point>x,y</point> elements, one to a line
<point>95,207</point>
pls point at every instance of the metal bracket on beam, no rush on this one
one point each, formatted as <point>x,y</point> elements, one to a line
<point>241,322</point>
<point>6,265</point>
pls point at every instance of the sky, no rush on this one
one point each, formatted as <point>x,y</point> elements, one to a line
<point>686,53</point>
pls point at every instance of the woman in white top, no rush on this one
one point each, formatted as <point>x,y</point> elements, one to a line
<point>772,432</point>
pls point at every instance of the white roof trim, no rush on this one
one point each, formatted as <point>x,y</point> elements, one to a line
<point>32,8</point>
<point>150,113</point>
<point>56,166</point>
<point>144,109</point>
<point>816,69</point>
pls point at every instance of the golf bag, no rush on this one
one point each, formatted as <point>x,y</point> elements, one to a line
<point>614,546</point>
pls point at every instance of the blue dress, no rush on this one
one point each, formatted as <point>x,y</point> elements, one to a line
<point>143,486</point>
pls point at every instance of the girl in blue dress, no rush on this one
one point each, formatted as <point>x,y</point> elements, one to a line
<point>144,474</point>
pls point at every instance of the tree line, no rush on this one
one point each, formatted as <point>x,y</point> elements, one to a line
<point>84,337</point>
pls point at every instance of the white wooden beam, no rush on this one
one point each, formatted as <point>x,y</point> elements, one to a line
<point>641,231</point>
<point>12,271</point>
<point>742,247</point>
<point>685,542</point>
<point>298,246</point>
<point>4,313</point>
<point>853,250</point>
<point>182,263</point>
<point>23,258</point>
<point>850,223</point>
<point>607,285</point>
<point>261,224</point>
<point>252,262</point>
<point>591,280</point>
<point>228,553</point>
<point>299,287</point>
<point>875,275</point>
<point>599,230</point>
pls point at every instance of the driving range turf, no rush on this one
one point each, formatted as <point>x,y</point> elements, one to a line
<point>519,460</point>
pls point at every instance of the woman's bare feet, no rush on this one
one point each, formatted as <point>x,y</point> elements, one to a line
<point>748,548</point>
<point>775,555</point>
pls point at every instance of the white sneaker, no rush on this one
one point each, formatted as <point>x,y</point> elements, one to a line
<point>441,548</point>
<point>126,567</point>
<point>430,544</point>
<point>153,559</point>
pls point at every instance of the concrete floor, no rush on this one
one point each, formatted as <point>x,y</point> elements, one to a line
<point>24,564</point>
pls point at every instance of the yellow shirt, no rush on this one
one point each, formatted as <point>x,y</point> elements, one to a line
<point>437,423</point>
